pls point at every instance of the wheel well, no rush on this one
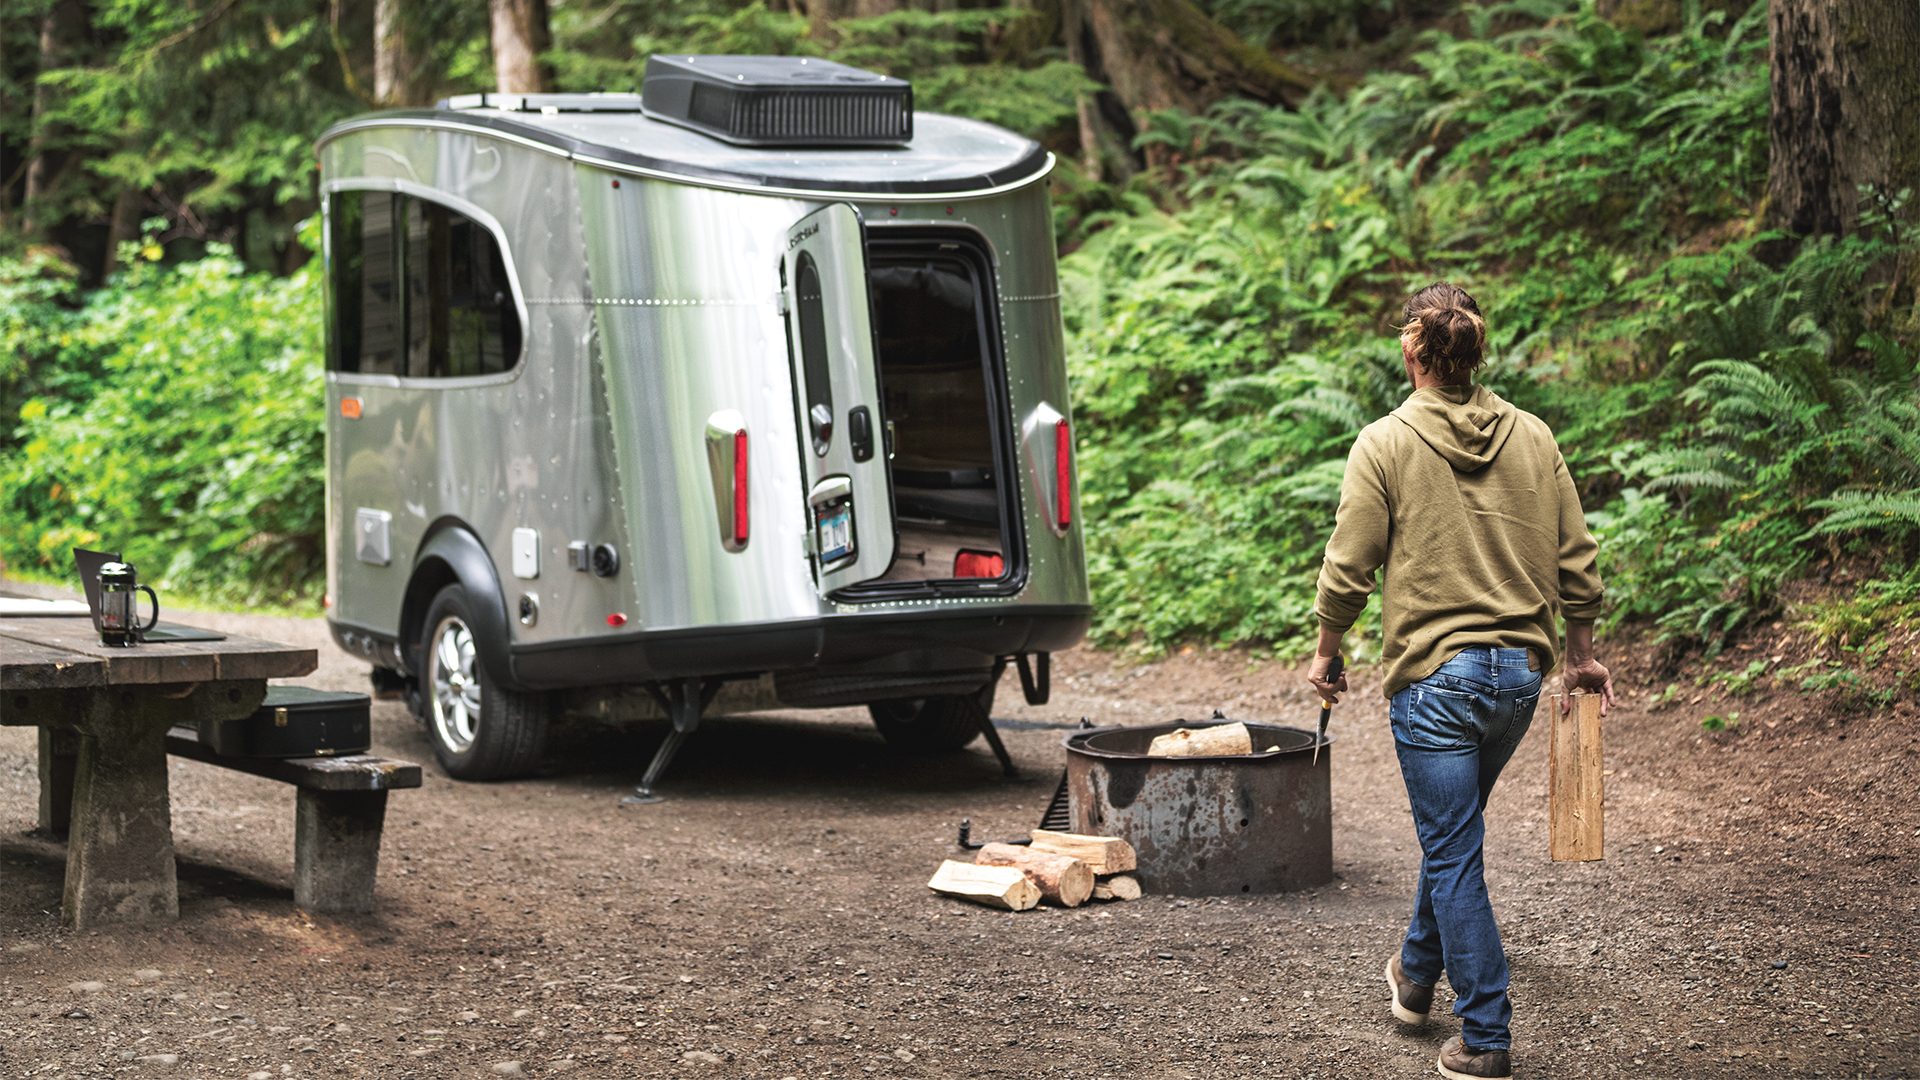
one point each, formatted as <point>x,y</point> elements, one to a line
<point>451,554</point>
<point>432,575</point>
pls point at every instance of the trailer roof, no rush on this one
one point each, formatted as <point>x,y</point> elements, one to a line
<point>949,155</point>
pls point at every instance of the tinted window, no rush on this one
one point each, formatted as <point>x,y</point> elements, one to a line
<point>814,364</point>
<point>418,290</point>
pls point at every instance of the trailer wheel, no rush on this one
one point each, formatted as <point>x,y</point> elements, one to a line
<point>479,731</point>
<point>945,722</point>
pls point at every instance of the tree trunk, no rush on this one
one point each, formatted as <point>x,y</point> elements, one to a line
<point>61,31</point>
<point>1161,54</point>
<point>1167,54</point>
<point>1073,30</point>
<point>123,227</point>
<point>520,35</point>
<point>1846,109</point>
<point>399,78</point>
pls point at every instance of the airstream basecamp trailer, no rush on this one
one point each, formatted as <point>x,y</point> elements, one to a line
<point>750,387</point>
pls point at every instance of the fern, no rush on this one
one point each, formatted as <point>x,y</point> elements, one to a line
<point>1896,512</point>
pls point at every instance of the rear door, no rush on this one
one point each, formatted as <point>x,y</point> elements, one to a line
<point>837,397</point>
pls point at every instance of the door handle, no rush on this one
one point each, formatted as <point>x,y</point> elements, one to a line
<point>860,432</point>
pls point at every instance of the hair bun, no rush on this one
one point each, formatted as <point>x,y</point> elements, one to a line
<point>1444,331</point>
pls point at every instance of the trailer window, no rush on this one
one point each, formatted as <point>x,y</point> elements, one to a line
<point>813,353</point>
<point>418,290</point>
<point>366,276</point>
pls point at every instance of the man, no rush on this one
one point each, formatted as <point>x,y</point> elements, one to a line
<point>1464,503</point>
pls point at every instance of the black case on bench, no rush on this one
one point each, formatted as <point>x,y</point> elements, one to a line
<point>295,722</point>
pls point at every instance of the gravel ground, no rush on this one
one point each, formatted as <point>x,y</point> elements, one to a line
<point>1754,916</point>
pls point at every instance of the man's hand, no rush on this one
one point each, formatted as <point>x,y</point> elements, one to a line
<point>1322,660</point>
<point>1582,671</point>
<point>1317,675</point>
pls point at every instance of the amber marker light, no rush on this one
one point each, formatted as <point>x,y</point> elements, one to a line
<point>350,408</point>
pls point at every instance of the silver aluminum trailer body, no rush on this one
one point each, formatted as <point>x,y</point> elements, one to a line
<point>643,463</point>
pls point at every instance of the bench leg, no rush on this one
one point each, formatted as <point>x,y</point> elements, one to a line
<point>336,848</point>
<point>59,752</point>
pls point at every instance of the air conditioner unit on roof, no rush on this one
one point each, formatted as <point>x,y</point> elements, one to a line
<point>779,100</point>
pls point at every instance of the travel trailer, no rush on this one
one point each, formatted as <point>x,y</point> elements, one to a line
<point>744,391</point>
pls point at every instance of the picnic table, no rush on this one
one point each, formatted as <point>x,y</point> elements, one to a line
<point>120,703</point>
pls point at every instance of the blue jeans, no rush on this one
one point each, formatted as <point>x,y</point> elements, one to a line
<point>1454,731</point>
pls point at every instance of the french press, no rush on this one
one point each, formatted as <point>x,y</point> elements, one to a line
<point>120,609</point>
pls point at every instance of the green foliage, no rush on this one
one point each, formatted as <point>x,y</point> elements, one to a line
<point>184,429</point>
<point>1740,683</point>
<point>1593,188</point>
<point>944,53</point>
<point>210,108</point>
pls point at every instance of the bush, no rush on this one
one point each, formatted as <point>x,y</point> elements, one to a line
<point>175,416</point>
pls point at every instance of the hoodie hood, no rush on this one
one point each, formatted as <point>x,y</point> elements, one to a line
<point>1466,425</point>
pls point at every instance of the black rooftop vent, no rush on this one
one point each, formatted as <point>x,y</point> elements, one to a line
<point>779,100</point>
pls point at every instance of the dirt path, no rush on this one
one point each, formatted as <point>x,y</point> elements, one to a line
<point>1755,916</point>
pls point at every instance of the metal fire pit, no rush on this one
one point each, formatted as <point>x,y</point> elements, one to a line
<point>1208,826</point>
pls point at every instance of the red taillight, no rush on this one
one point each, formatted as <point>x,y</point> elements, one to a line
<point>1062,475</point>
<point>986,564</point>
<point>740,487</point>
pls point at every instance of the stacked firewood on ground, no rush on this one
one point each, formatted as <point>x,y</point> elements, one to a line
<point>1066,869</point>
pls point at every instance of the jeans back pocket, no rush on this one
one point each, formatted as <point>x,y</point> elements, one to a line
<point>1434,716</point>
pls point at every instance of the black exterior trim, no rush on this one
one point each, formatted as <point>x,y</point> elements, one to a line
<point>451,544</point>
<point>1030,166</point>
<point>838,640</point>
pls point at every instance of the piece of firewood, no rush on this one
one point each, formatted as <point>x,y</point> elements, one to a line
<point>1102,854</point>
<point>1220,740</point>
<point>1574,786</point>
<point>1117,887</point>
<point>1063,879</point>
<point>996,886</point>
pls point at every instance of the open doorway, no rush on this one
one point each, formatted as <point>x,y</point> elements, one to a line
<point>942,386</point>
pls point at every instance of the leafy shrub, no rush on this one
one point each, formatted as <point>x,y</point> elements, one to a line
<point>178,420</point>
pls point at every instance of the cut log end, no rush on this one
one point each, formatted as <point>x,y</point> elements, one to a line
<point>1063,879</point>
<point>1102,854</point>
<point>1117,887</point>
<point>995,886</point>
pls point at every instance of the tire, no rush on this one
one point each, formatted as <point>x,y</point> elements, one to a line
<point>931,724</point>
<point>479,731</point>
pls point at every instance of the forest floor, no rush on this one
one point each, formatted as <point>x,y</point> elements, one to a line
<point>1755,914</point>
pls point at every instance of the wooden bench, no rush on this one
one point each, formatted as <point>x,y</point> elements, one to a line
<point>340,809</point>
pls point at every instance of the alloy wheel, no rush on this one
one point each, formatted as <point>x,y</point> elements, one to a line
<point>454,676</point>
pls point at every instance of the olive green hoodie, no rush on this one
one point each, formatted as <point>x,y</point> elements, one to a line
<point>1465,502</point>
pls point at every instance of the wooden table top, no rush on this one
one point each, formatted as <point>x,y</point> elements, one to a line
<point>62,653</point>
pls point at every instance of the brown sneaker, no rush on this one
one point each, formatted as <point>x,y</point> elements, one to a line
<point>1463,1062</point>
<point>1411,1002</point>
